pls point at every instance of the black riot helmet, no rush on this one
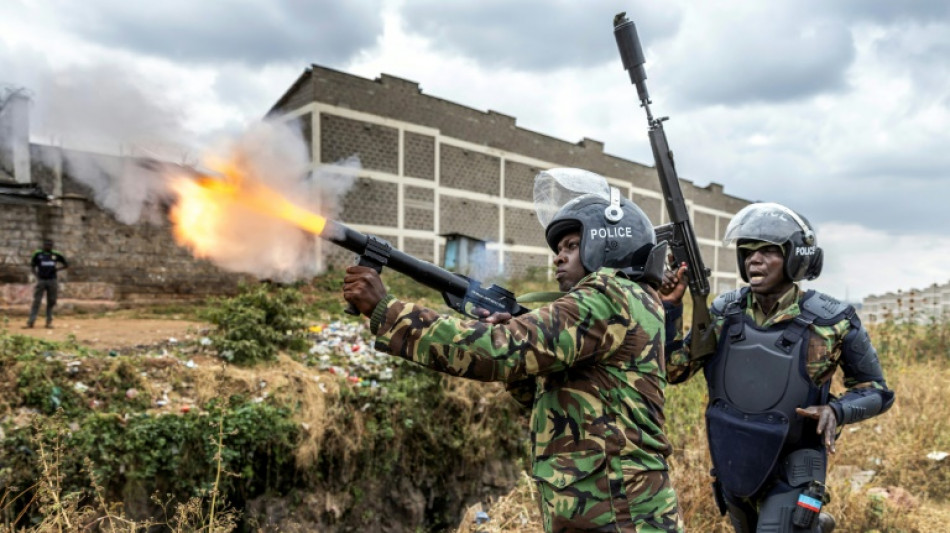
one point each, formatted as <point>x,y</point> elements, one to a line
<point>779,225</point>
<point>614,233</point>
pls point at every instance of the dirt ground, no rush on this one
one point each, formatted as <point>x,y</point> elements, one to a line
<point>114,330</point>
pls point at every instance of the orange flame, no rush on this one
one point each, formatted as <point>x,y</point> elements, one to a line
<point>207,202</point>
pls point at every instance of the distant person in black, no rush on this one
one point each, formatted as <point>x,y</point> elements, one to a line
<point>44,265</point>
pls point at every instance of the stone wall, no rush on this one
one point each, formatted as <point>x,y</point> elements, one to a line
<point>108,260</point>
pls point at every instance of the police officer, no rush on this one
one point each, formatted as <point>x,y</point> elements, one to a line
<point>770,418</point>
<point>44,265</point>
<point>594,357</point>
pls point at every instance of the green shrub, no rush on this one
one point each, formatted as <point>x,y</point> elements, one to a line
<point>254,325</point>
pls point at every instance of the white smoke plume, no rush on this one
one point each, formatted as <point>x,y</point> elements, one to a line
<point>107,121</point>
<point>274,154</point>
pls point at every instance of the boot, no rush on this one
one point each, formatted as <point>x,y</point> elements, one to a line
<point>826,523</point>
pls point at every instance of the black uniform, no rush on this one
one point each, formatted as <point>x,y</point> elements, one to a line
<point>44,265</point>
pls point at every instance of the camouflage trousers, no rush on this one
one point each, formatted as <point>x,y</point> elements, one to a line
<point>642,502</point>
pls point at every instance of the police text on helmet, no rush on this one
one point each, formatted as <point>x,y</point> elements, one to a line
<point>603,233</point>
<point>805,250</point>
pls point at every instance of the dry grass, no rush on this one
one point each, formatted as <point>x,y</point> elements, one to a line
<point>289,382</point>
<point>907,492</point>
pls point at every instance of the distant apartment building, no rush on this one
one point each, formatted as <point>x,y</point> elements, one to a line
<point>921,306</point>
<point>433,168</point>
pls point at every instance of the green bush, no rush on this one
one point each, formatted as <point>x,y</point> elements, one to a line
<point>254,325</point>
<point>177,456</point>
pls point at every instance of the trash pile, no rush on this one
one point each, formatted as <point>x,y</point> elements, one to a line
<point>342,349</point>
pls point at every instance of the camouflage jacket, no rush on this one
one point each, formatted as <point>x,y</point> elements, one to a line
<point>596,355</point>
<point>825,349</point>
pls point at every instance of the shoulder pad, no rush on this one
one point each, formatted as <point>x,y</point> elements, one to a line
<point>825,307</point>
<point>723,300</point>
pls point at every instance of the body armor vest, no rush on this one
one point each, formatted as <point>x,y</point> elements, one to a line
<point>756,379</point>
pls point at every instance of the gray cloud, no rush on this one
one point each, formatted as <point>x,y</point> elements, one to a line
<point>249,32</point>
<point>768,55</point>
<point>882,11</point>
<point>534,35</point>
<point>786,52</point>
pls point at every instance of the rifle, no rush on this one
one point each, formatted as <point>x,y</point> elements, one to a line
<point>679,232</point>
<point>461,293</point>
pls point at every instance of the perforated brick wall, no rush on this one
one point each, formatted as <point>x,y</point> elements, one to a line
<point>419,208</point>
<point>420,155</point>
<point>519,181</point>
<point>377,146</point>
<point>522,227</point>
<point>468,217</point>
<point>372,202</point>
<point>421,249</point>
<point>468,170</point>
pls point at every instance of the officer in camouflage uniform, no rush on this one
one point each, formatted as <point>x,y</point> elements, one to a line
<point>770,418</point>
<point>596,359</point>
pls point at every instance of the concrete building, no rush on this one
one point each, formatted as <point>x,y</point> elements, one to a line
<point>920,306</point>
<point>431,167</point>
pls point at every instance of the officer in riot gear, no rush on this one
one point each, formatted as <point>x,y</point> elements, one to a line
<point>770,419</point>
<point>590,362</point>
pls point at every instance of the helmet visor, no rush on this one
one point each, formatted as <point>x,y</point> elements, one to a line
<point>767,222</point>
<point>554,188</point>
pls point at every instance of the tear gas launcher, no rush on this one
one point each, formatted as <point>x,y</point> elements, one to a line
<point>679,231</point>
<point>461,293</point>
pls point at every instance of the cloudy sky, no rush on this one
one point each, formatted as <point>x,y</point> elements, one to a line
<point>840,110</point>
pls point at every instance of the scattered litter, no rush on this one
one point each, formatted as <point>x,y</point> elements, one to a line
<point>172,340</point>
<point>163,401</point>
<point>860,479</point>
<point>481,517</point>
<point>131,393</point>
<point>342,350</point>
<point>80,387</point>
<point>937,456</point>
<point>205,341</point>
<point>191,364</point>
<point>72,367</point>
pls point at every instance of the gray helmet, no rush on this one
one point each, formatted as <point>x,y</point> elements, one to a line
<point>614,233</point>
<point>779,225</point>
